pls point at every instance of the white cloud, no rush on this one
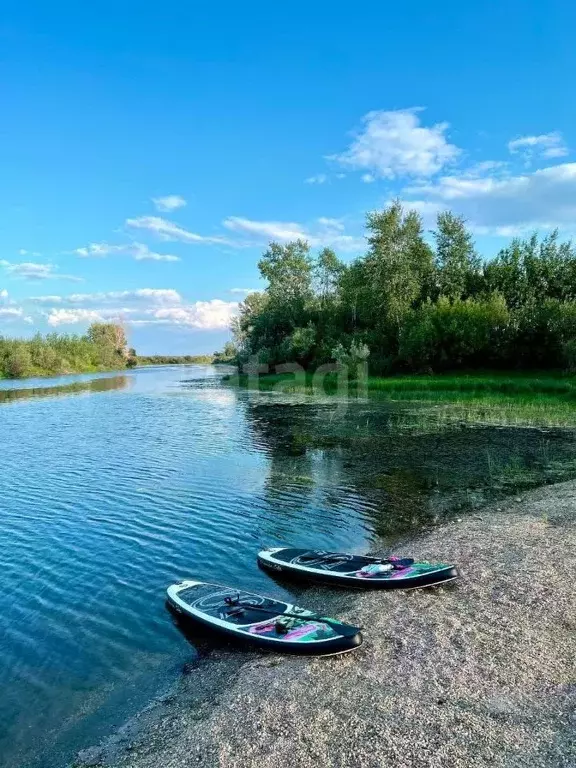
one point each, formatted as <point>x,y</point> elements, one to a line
<point>97,250</point>
<point>46,299</point>
<point>393,144</point>
<point>202,315</point>
<point>244,291</point>
<point>137,251</point>
<point>507,204</point>
<point>168,230</point>
<point>156,296</point>
<point>336,224</point>
<point>168,203</point>
<point>326,232</point>
<point>76,316</point>
<point>143,253</point>
<point>368,178</point>
<point>32,271</point>
<point>548,145</point>
<point>272,230</point>
<point>8,310</point>
<point>14,313</point>
<point>319,178</point>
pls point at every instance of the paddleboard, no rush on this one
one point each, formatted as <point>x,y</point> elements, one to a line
<point>262,621</point>
<point>358,571</point>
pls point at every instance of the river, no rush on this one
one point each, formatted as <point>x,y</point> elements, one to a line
<point>114,486</point>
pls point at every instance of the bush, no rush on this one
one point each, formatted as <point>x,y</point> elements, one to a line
<point>18,362</point>
<point>569,354</point>
<point>352,359</point>
<point>104,347</point>
<point>457,333</point>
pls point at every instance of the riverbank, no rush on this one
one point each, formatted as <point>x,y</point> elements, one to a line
<point>479,674</point>
<point>148,360</point>
<point>102,348</point>
<point>544,399</point>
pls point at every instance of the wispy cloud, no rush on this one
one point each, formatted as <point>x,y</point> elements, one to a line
<point>168,203</point>
<point>244,291</point>
<point>24,252</point>
<point>505,204</point>
<point>8,309</point>
<point>200,315</point>
<point>137,251</point>
<point>168,230</point>
<point>29,270</point>
<point>271,230</point>
<point>319,178</point>
<point>141,295</point>
<point>548,145</point>
<point>324,232</point>
<point>14,313</point>
<point>57,317</point>
<point>394,144</point>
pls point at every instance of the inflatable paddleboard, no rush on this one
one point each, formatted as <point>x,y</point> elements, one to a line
<point>358,571</point>
<point>262,621</point>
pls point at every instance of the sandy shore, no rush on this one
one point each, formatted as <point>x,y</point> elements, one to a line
<point>479,674</point>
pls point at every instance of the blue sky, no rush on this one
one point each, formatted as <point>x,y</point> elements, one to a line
<point>149,152</point>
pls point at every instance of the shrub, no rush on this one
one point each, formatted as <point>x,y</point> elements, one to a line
<point>455,333</point>
<point>18,362</point>
<point>353,359</point>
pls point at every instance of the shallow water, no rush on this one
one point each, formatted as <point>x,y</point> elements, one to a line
<point>113,487</point>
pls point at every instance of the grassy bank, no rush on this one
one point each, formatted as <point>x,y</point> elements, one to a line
<point>102,348</point>
<point>540,399</point>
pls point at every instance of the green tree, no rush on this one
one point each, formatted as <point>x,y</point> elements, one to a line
<point>18,362</point>
<point>110,341</point>
<point>328,272</point>
<point>458,265</point>
<point>396,273</point>
<point>288,269</point>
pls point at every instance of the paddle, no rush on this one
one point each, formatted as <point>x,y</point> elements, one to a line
<point>346,630</point>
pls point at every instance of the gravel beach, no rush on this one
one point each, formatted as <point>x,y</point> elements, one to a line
<point>482,673</point>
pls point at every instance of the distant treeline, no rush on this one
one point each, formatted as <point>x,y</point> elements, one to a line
<point>103,347</point>
<point>228,355</point>
<point>174,359</point>
<point>414,306</point>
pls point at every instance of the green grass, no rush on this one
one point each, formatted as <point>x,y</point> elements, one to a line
<point>517,399</point>
<point>517,383</point>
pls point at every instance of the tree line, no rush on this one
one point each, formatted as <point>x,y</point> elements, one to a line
<point>175,359</point>
<point>415,303</point>
<point>103,347</point>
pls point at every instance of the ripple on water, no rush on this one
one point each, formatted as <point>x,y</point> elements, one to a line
<point>106,499</point>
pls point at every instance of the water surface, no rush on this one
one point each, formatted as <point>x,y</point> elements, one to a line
<point>113,487</point>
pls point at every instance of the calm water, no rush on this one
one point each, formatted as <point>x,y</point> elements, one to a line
<point>108,493</point>
<point>113,487</point>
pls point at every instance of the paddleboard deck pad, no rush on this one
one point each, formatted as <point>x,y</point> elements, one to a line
<point>261,621</point>
<point>358,571</point>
